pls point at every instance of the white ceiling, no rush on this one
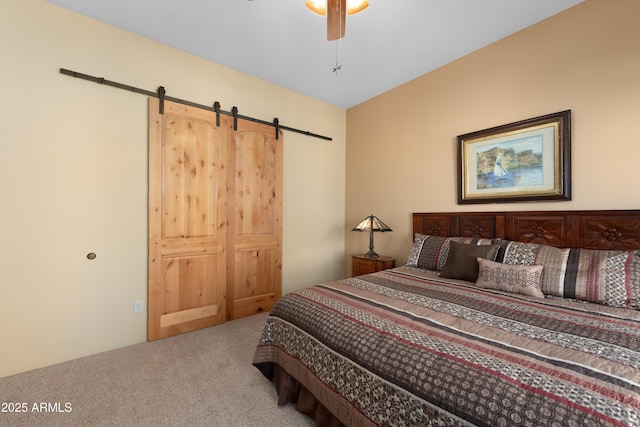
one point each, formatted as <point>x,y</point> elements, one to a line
<point>281,41</point>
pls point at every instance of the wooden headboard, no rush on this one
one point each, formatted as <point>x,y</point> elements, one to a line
<point>601,229</point>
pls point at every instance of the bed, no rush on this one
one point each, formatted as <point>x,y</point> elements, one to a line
<point>537,322</point>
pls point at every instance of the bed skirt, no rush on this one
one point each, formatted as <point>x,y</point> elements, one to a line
<point>289,390</point>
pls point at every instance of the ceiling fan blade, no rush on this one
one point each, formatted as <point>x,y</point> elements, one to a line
<point>336,13</point>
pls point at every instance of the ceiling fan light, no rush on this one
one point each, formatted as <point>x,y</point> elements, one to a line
<point>317,6</point>
<point>355,6</point>
<point>320,6</point>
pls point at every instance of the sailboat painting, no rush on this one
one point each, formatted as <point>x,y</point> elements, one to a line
<point>513,163</point>
<point>517,162</point>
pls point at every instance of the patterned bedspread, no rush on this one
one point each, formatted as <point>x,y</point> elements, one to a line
<point>404,347</point>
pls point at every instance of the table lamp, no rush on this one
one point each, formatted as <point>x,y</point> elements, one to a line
<point>371,223</point>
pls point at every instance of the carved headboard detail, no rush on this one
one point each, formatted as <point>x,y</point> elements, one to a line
<point>597,229</point>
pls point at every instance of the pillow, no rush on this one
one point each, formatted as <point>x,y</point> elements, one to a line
<point>462,262</point>
<point>605,277</point>
<point>431,252</point>
<point>517,279</point>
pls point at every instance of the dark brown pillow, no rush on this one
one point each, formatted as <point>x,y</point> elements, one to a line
<point>462,262</point>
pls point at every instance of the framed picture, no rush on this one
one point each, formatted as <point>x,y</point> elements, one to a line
<point>529,160</point>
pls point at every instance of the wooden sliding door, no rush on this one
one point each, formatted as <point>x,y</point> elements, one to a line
<point>255,220</point>
<point>187,219</point>
<point>215,219</point>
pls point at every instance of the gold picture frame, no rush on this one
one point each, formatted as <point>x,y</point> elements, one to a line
<point>525,161</point>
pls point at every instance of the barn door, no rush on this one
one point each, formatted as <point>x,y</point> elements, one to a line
<point>187,219</point>
<point>254,247</point>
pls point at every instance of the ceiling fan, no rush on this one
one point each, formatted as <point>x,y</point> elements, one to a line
<point>336,11</point>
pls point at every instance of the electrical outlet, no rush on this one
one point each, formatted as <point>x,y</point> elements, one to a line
<point>137,307</point>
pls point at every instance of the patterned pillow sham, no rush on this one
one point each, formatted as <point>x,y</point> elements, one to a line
<point>600,276</point>
<point>517,279</point>
<point>431,252</point>
<point>462,262</point>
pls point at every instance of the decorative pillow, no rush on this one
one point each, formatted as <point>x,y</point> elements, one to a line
<point>431,252</point>
<point>517,279</point>
<point>601,276</point>
<point>462,262</point>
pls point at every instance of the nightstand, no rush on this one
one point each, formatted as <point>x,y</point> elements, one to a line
<point>363,265</point>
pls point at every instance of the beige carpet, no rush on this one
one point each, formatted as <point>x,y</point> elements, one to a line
<point>202,378</point>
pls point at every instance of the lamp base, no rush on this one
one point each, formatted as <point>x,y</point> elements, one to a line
<point>371,254</point>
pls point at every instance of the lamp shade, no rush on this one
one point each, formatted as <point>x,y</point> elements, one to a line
<point>371,223</point>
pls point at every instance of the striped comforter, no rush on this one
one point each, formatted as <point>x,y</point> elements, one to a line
<point>404,347</point>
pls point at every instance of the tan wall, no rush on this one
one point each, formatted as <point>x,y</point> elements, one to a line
<point>73,179</point>
<point>401,150</point>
